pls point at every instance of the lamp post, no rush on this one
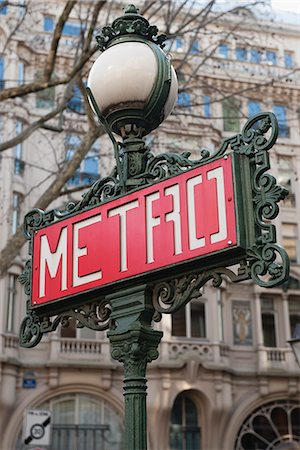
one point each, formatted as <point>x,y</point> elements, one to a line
<point>295,343</point>
<point>132,88</point>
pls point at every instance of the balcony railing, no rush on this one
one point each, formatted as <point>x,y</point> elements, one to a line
<point>76,350</point>
<point>80,346</point>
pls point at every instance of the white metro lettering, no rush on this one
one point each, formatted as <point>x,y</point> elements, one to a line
<point>52,261</point>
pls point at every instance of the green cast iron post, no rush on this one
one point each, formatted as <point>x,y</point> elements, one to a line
<point>134,343</point>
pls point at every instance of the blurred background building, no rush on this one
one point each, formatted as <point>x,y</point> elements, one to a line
<point>226,377</point>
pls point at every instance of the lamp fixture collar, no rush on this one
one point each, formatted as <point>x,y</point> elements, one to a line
<point>131,23</point>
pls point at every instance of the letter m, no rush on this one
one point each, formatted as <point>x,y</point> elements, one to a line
<point>52,261</point>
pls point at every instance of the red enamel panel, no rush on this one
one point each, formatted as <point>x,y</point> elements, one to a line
<point>174,221</point>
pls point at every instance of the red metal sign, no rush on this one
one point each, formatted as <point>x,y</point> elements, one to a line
<point>171,222</point>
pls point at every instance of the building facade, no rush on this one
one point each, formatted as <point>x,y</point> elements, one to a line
<point>226,378</point>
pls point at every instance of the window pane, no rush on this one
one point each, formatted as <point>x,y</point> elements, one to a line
<point>75,104</point>
<point>184,427</point>
<point>179,323</point>
<point>290,239</point>
<point>11,298</point>
<point>294,320</point>
<point>1,72</point>
<point>64,412</point>
<point>71,29</point>
<point>223,50</point>
<point>241,54</point>
<point>21,73</point>
<point>280,113</point>
<point>206,106</point>
<point>253,108</point>
<point>271,57</point>
<point>16,205</point>
<point>3,7</point>
<point>184,99</point>
<point>70,331</point>
<point>198,327</point>
<point>48,24</point>
<point>178,43</point>
<point>268,324</point>
<point>288,60</point>
<point>195,48</point>
<point>231,115</point>
<point>255,55</point>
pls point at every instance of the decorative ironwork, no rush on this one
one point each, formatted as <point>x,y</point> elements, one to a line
<point>94,315</point>
<point>265,262</point>
<point>169,296</point>
<point>130,23</point>
<point>272,426</point>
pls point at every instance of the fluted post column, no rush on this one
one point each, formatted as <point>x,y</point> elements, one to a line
<point>134,343</point>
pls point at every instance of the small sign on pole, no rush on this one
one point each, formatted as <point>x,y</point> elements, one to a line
<point>37,427</point>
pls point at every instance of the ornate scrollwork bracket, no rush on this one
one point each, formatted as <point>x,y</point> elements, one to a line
<point>94,316</point>
<point>265,262</point>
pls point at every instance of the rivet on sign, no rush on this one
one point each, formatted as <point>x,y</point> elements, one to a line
<point>229,242</point>
<point>225,157</point>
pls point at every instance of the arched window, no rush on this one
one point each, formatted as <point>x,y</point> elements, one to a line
<point>274,425</point>
<point>184,428</point>
<point>82,422</point>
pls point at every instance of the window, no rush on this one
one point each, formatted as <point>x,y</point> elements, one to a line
<point>241,54</point>
<point>79,421</point>
<point>286,178</point>
<point>255,55</point>
<point>253,108</point>
<point>16,211</point>
<point>19,163</point>
<point>70,331</point>
<point>268,322</point>
<point>11,306</point>
<point>184,99</point>
<point>195,47</point>
<point>206,106</point>
<point>294,312</point>
<point>223,51</point>
<point>283,128</point>
<point>184,428</point>
<point>271,57</point>
<point>48,24</point>
<point>71,29</point>
<point>274,425</point>
<point>3,7</point>
<point>191,321</point>
<point>46,97</point>
<point>21,73</point>
<point>88,171</point>
<point>22,8</point>
<point>231,121</point>
<point>288,60</point>
<point>289,240</point>
<point>2,82</point>
<point>178,44</point>
<point>75,104</point>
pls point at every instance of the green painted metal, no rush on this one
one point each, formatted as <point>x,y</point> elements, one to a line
<point>131,23</point>
<point>258,195</point>
<point>128,312</point>
<point>134,343</point>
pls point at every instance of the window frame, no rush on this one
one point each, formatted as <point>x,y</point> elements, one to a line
<point>187,321</point>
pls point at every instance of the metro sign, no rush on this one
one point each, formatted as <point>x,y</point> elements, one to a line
<point>166,225</point>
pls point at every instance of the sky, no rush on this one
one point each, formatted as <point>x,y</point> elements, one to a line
<point>287,5</point>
